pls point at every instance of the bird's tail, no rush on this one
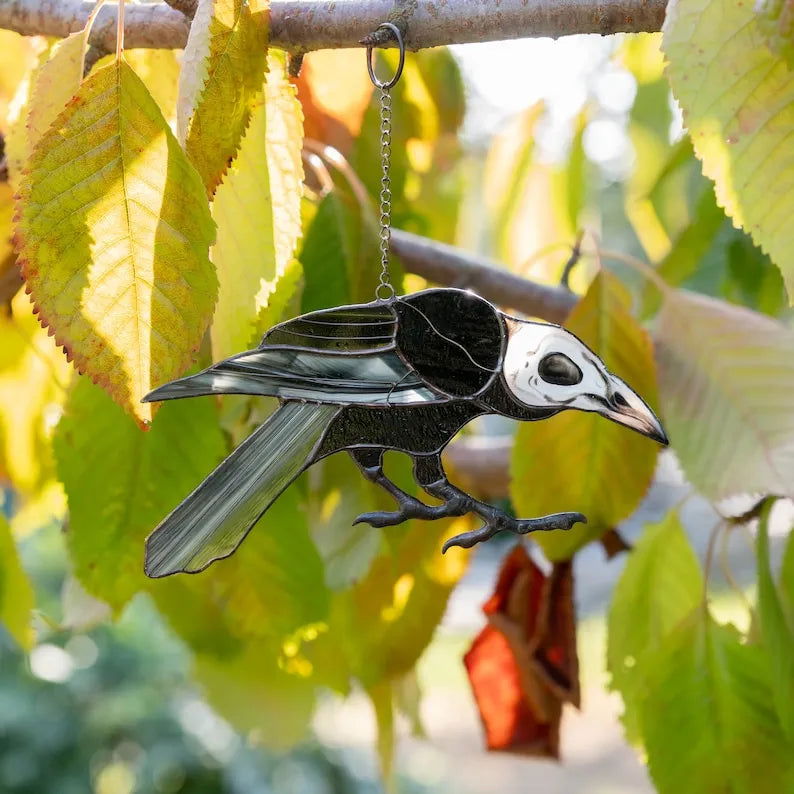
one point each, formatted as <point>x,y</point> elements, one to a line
<point>212,522</point>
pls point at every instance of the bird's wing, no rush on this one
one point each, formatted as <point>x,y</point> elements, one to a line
<point>453,339</point>
<point>213,520</point>
<point>364,328</point>
<point>341,356</point>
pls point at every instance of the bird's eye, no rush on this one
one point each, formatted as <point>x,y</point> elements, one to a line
<point>558,369</point>
<point>619,399</point>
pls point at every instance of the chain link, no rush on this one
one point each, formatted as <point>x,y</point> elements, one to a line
<point>385,290</point>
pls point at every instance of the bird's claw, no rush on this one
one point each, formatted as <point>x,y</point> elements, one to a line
<point>547,523</point>
<point>408,509</point>
<point>523,526</point>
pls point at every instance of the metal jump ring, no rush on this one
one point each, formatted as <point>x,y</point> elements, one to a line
<point>395,31</point>
<point>384,291</point>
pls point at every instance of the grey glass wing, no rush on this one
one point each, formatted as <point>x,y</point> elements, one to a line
<point>344,330</point>
<point>212,522</point>
<point>290,374</point>
<point>342,356</point>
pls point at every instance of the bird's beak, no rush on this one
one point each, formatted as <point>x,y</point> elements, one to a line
<point>626,407</point>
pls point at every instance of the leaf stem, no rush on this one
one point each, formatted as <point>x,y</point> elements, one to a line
<point>336,159</point>
<point>524,268</point>
<point>636,264</point>
<point>120,31</point>
<point>725,567</point>
<point>713,535</point>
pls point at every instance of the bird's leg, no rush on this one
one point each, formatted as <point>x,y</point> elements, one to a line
<point>370,461</point>
<point>430,475</point>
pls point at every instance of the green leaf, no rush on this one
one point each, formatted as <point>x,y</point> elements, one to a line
<point>382,698</point>
<point>222,73</point>
<point>121,482</point>
<point>283,302</point>
<point>578,461</point>
<point>776,634</point>
<point>257,209</point>
<point>444,82</point>
<point>776,21</point>
<point>738,103</point>
<point>712,256</point>
<point>268,589</point>
<point>693,243</point>
<point>659,587</point>
<point>16,593</point>
<point>708,719</point>
<point>340,255</point>
<point>382,625</point>
<point>787,578</point>
<point>575,174</point>
<point>337,495</point>
<point>113,235</point>
<point>726,375</point>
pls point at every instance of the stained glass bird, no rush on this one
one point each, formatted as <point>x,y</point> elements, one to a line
<point>402,374</point>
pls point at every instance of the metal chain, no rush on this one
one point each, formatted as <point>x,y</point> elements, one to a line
<point>385,290</point>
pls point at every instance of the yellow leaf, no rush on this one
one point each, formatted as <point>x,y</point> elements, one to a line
<point>160,70</point>
<point>221,77</point>
<point>53,83</point>
<point>257,209</point>
<point>17,57</point>
<point>16,594</point>
<point>113,235</point>
<point>7,259</point>
<point>383,624</point>
<point>17,147</point>
<point>30,365</point>
<point>738,101</point>
<point>580,461</point>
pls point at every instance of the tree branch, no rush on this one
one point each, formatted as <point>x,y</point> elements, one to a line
<point>148,26</point>
<point>302,25</point>
<point>453,267</point>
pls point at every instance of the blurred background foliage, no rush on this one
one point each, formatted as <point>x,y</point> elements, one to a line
<point>112,682</point>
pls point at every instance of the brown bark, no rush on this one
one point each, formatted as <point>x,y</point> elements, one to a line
<point>299,25</point>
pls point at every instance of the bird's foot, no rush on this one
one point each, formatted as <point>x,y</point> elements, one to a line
<point>496,521</point>
<point>408,508</point>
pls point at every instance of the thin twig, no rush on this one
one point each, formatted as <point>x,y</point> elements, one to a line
<point>576,254</point>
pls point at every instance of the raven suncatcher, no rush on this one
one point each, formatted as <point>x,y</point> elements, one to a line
<point>404,373</point>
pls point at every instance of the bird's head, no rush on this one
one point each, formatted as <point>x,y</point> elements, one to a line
<point>546,366</point>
